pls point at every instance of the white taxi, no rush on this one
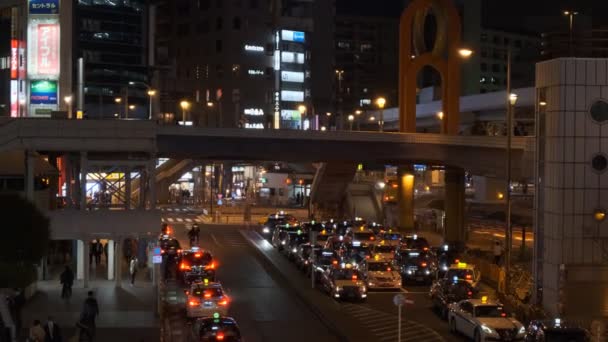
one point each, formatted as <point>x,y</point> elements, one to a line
<point>380,274</point>
<point>464,271</point>
<point>484,320</point>
<point>206,298</point>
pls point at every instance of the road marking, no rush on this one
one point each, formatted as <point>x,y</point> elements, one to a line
<point>188,220</point>
<point>170,219</point>
<point>179,219</point>
<point>215,240</point>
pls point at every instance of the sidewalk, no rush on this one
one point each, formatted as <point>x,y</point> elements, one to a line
<point>126,314</point>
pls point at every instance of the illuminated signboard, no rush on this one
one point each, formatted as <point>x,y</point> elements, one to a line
<point>14,58</point>
<point>44,6</point>
<point>43,92</point>
<point>254,125</point>
<point>255,48</point>
<point>292,57</point>
<point>43,49</point>
<point>292,96</point>
<point>254,111</point>
<point>14,98</point>
<point>255,72</point>
<point>293,36</point>
<point>290,115</point>
<point>291,76</point>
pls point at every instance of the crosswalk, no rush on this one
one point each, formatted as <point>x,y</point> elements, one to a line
<point>384,325</point>
<point>185,215</point>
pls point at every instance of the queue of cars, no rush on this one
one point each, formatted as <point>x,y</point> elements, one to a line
<point>206,303</point>
<point>350,258</point>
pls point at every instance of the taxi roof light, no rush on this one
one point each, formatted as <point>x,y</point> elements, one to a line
<point>206,281</point>
<point>462,264</point>
<point>197,255</point>
<point>216,315</point>
<point>558,322</point>
<point>484,299</point>
<point>354,277</point>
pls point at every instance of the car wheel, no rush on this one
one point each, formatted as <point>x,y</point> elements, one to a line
<point>453,326</point>
<point>477,336</point>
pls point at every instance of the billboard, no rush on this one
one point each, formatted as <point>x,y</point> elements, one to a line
<point>293,36</point>
<point>14,98</point>
<point>290,115</point>
<point>292,96</point>
<point>44,6</point>
<point>292,76</point>
<point>43,49</point>
<point>43,92</point>
<point>14,58</point>
<point>292,57</point>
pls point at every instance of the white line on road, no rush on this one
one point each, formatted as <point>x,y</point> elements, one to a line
<point>215,240</point>
<point>179,219</point>
<point>170,219</point>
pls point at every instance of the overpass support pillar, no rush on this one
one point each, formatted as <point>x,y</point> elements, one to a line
<point>30,160</point>
<point>454,207</point>
<point>128,188</point>
<point>151,172</point>
<point>406,199</point>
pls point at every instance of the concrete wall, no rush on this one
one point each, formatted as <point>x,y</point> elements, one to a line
<point>573,243</point>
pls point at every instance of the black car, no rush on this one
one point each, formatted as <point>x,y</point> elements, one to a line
<point>446,291</point>
<point>445,258</point>
<point>196,265</point>
<point>417,266</point>
<point>215,329</point>
<point>293,241</point>
<point>556,330</point>
<point>279,236</point>
<point>322,260</point>
<point>302,256</point>
<point>414,242</point>
<point>169,247</point>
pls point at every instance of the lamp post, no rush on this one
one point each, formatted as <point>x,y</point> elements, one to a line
<point>351,118</point>
<point>570,15</point>
<point>118,100</point>
<point>151,93</point>
<point>381,102</point>
<point>340,76</point>
<point>302,110</point>
<point>511,100</point>
<point>68,102</point>
<point>358,113</point>
<point>185,106</point>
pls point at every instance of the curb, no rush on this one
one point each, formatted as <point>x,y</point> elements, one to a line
<point>331,322</point>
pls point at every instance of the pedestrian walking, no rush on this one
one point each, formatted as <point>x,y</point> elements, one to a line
<point>37,332</point>
<point>67,280</point>
<point>497,252</point>
<point>98,252</point>
<point>15,305</point>
<point>52,331</point>
<point>133,269</point>
<point>90,311</point>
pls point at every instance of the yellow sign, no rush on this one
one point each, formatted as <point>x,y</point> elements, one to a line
<point>79,114</point>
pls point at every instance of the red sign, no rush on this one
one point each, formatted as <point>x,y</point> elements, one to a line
<point>48,49</point>
<point>14,58</point>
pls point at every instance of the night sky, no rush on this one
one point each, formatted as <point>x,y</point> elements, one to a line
<point>496,13</point>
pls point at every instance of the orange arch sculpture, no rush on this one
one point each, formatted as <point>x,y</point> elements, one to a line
<point>443,57</point>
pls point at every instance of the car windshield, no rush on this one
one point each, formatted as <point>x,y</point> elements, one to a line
<point>489,311</point>
<point>210,327</point>
<point>209,292</point>
<point>364,236</point>
<point>379,267</point>
<point>384,249</point>
<point>459,274</point>
<point>391,236</point>
<point>198,258</point>
<point>565,336</point>
<point>419,243</point>
<point>460,290</point>
<point>347,274</point>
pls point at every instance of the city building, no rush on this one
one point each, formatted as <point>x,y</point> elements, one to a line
<point>12,68</point>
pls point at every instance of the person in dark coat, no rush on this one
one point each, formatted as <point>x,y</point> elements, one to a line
<point>90,311</point>
<point>52,331</point>
<point>67,280</point>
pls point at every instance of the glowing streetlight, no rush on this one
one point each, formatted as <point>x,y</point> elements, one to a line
<point>132,107</point>
<point>68,102</point>
<point>381,102</point>
<point>185,106</point>
<point>465,52</point>
<point>302,110</point>
<point>209,104</point>
<point>118,100</point>
<point>570,15</point>
<point>151,94</point>
<point>351,118</point>
<point>512,99</point>
<point>440,115</point>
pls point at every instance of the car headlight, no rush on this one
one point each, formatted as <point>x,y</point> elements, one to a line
<point>338,288</point>
<point>266,230</point>
<point>486,329</point>
<point>522,330</point>
<point>362,288</point>
<point>444,268</point>
<point>282,242</point>
<point>427,272</point>
<point>409,271</point>
<point>294,250</point>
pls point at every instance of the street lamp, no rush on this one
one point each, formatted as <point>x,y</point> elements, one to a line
<point>358,113</point>
<point>465,52</point>
<point>68,102</point>
<point>381,102</point>
<point>185,106</point>
<point>351,118</point>
<point>302,110</point>
<point>570,15</point>
<point>132,107</point>
<point>151,94</point>
<point>118,100</point>
<point>210,104</point>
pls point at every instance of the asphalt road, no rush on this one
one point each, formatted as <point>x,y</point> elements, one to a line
<point>265,308</point>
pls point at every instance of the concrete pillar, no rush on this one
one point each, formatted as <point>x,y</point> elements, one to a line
<point>128,189</point>
<point>83,180</point>
<point>67,166</point>
<point>110,261</point>
<point>80,260</point>
<point>152,183</point>
<point>489,189</point>
<point>143,178</point>
<point>87,266</point>
<point>454,207</point>
<point>405,202</point>
<point>118,262</point>
<point>30,159</point>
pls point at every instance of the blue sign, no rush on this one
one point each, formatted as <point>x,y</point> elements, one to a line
<point>44,6</point>
<point>157,251</point>
<point>298,36</point>
<point>43,92</point>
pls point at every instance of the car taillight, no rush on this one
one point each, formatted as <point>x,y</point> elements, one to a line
<point>503,315</point>
<point>335,262</point>
<point>220,336</point>
<point>197,255</point>
<point>223,302</point>
<point>207,295</point>
<point>372,238</point>
<point>183,266</point>
<point>469,293</point>
<point>354,277</point>
<point>211,266</point>
<point>193,302</point>
<point>423,264</point>
<point>468,277</point>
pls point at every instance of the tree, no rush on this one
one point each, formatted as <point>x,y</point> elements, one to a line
<point>26,235</point>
